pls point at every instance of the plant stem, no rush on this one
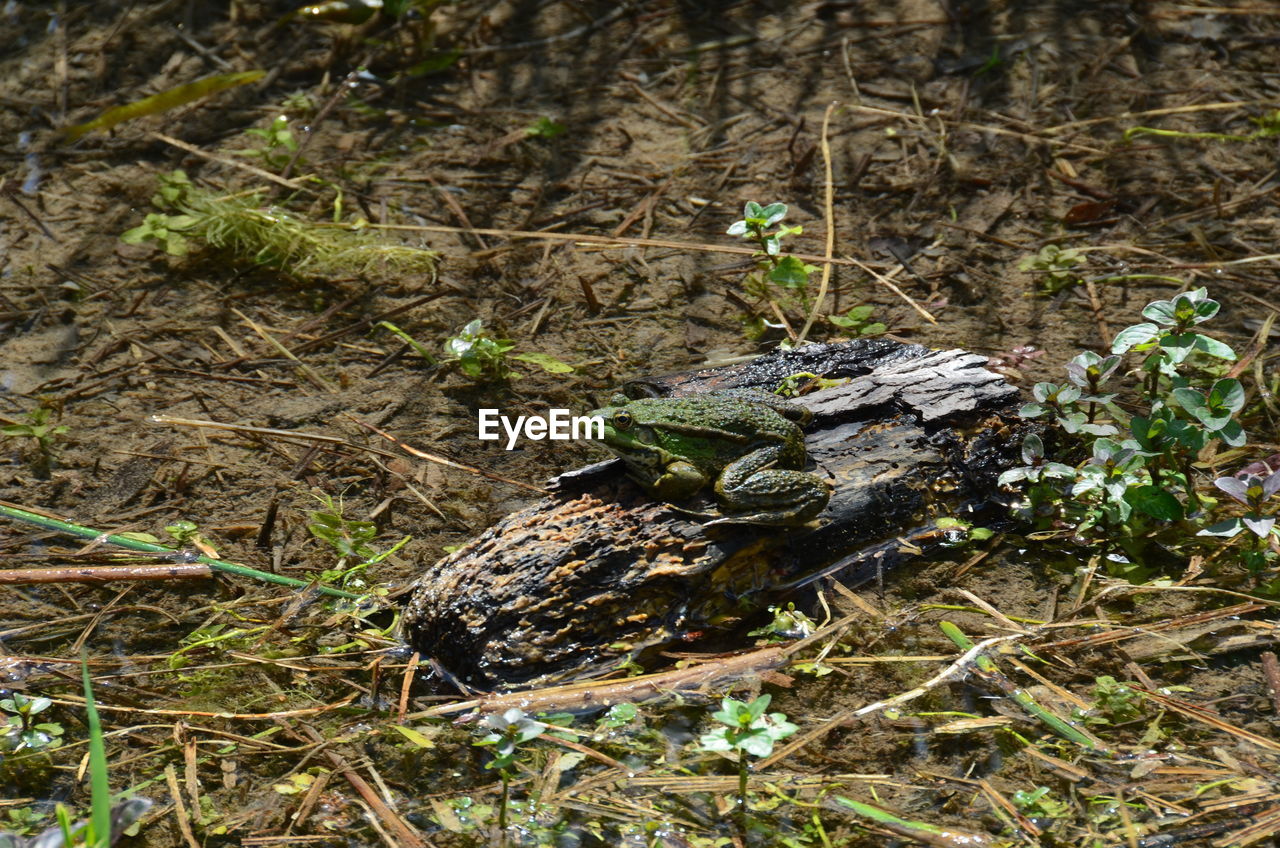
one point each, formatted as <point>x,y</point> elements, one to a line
<point>149,547</point>
<point>502,808</point>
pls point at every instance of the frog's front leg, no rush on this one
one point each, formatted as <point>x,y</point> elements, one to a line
<point>679,480</point>
<point>763,494</point>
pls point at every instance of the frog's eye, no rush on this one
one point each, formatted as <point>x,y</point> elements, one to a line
<point>622,419</point>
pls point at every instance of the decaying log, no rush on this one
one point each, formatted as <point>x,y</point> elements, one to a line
<point>600,572</point>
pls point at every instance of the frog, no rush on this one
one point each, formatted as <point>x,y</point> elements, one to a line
<point>746,445</point>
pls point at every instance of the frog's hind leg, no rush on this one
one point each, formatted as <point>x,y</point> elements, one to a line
<point>753,491</point>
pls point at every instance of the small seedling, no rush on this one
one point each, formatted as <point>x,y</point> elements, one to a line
<point>763,226</point>
<point>351,540</point>
<point>1268,126</point>
<point>165,231</point>
<point>1054,267</point>
<point>19,728</point>
<point>788,623</point>
<point>545,128</point>
<point>507,733</point>
<point>748,732</point>
<point>1114,702</point>
<point>1038,804</point>
<point>1254,492</point>
<point>278,143</point>
<point>483,358</point>
<point>39,428</point>
<point>858,321</point>
<point>188,535</point>
<point>804,382</point>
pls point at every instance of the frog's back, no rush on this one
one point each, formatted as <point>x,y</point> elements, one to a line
<point>693,422</point>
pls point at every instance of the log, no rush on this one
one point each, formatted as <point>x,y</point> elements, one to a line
<point>599,573</point>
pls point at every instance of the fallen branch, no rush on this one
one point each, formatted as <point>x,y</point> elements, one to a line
<point>13,511</point>
<point>103,574</point>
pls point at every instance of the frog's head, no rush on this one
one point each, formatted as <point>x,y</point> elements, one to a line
<point>660,453</point>
<point>629,433</point>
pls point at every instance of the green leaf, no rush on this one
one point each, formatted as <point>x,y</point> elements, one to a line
<point>773,213</point>
<point>1228,528</point>
<point>1227,394</point>
<point>1213,347</point>
<point>1133,336</point>
<point>417,737</point>
<point>137,235</point>
<point>1231,434</point>
<point>545,127</point>
<point>1189,399</point>
<point>1161,311</point>
<point>442,60</point>
<point>163,102</point>
<point>545,361</point>
<point>791,273</point>
<point>757,745</point>
<point>99,787</point>
<point>175,244</point>
<point>1154,501</point>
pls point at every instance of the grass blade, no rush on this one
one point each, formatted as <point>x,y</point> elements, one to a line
<point>99,787</point>
<point>162,102</point>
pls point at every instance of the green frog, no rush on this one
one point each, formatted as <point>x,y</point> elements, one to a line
<point>748,444</point>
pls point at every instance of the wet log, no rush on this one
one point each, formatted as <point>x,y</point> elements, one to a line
<point>599,573</point>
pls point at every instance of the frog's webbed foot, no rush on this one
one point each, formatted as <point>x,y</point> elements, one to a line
<point>772,518</point>
<point>696,514</point>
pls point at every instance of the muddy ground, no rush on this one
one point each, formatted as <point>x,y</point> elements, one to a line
<point>966,137</point>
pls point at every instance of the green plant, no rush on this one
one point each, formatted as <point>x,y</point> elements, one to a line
<point>763,226</point>
<point>20,730</point>
<point>163,229</point>
<point>803,382</point>
<point>1038,804</point>
<point>278,145</point>
<point>1054,267</point>
<point>1113,702</point>
<point>1255,493</point>
<point>166,231</point>
<point>351,540</point>
<point>858,321</point>
<point>417,346</point>
<point>483,358</point>
<point>1125,483</point>
<point>1268,126</point>
<point>507,732</point>
<point>545,128</point>
<point>747,731</point>
<point>39,428</point>
<point>99,828</point>
<point>270,236</point>
<point>787,623</point>
<point>21,820</point>
<point>188,535</point>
